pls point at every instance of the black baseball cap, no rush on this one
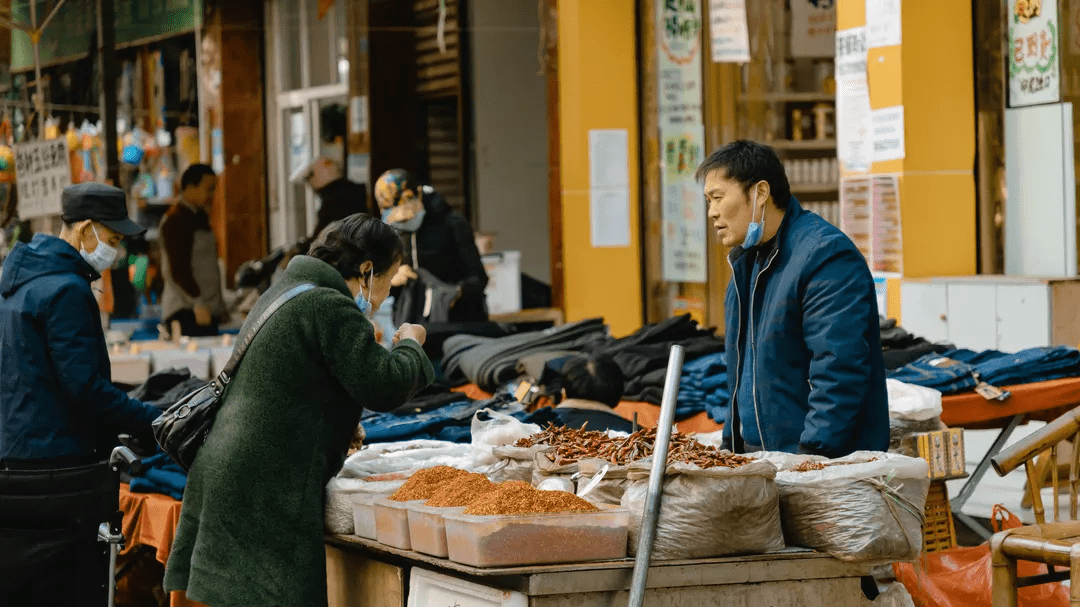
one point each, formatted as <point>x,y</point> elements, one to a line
<point>102,203</point>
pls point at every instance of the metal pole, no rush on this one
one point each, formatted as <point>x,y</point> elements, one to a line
<point>39,95</point>
<point>106,56</point>
<point>656,477</point>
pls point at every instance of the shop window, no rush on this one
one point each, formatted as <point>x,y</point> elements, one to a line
<point>312,49</point>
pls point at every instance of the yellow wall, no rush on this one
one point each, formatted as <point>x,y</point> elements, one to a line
<point>598,90</point>
<point>931,75</point>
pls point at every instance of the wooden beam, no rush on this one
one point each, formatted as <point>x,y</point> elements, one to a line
<point>549,29</point>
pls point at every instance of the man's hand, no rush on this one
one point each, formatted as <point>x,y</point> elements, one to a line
<point>203,318</point>
<point>410,331</point>
<point>404,274</point>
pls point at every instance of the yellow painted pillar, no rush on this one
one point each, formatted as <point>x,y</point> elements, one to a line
<point>931,75</point>
<point>598,90</point>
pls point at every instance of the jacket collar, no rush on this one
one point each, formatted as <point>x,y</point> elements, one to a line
<point>304,268</point>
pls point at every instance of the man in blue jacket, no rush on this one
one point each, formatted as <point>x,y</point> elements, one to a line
<point>59,411</point>
<point>803,346</point>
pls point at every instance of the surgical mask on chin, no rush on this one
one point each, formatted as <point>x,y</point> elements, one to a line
<point>755,231</point>
<point>103,256</point>
<point>364,303</point>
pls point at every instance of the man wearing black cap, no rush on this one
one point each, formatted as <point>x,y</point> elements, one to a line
<point>59,410</point>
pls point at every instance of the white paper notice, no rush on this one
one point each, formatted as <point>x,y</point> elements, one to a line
<point>42,171</point>
<point>609,213</point>
<point>882,23</point>
<point>685,233</point>
<point>609,187</point>
<point>853,121</point>
<point>888,125</point>
<point>813,28</point>
<point>730,36</point>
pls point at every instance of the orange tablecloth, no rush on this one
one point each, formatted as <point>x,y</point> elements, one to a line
<point>150,520</point>
<point>1040,401</point>
<point>649,414</point>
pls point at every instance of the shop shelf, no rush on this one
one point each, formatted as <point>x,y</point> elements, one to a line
<point>806,144</point>
<point>566,537</point>
<point>427,528</point>
<point>813,97</point>
<point>392,523</point>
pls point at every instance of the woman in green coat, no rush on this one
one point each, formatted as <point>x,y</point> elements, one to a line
<point>251,527</point>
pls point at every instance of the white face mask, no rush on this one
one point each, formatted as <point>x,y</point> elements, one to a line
<point>103,256</point>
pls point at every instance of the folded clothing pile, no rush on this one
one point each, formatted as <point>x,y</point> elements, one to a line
<point>900,347</point>
<point>704,387</point>
<point>492,362</point>
<point>450,423</point>
<point>955,370</point>
<point>159,474</point>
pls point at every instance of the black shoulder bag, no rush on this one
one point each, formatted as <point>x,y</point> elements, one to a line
<point>183,428</point>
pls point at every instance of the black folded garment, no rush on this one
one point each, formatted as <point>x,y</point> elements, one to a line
<point>159,384</point>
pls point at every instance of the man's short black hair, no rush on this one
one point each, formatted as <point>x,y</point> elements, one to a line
<point>596,378</point>
<point>194,174</point>
<point>749,162</point>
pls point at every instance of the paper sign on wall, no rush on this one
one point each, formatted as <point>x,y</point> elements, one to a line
<point>42,171</point>
<point>609,187</point>
<point>685,237</point>
<point>883,23</point>
<point>813,28</point>
<point>888,125</point>
<point>730,36</point>
<point>1034,53</point>
<point>853,121</point>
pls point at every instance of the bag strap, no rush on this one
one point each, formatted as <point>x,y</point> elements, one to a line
<point>226,374</point>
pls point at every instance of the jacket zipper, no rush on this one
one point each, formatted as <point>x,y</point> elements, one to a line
<point>753,348</point>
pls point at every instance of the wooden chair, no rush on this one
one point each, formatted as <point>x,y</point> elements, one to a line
<point>1055,544</point>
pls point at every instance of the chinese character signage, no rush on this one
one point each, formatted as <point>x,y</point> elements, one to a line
<point>679,32</point>
<point>42,171</point>
<point>730,37</point>
<point>1034,52</point>
<point>813,28</point>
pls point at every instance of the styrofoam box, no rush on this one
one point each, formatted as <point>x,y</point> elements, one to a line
<point>198,362</point>
<point>132,369</point>
<point>504,282</point>
<point>430,589</point>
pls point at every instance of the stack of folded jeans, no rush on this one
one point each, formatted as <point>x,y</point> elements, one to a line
<point>490,363</point>
<point>956,370</point>
<point>703,387</point>
<point>402,425</point>
<point>900,347</point>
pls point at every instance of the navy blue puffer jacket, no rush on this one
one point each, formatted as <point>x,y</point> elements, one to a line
<point>57,401</point>
<point>819,377</point>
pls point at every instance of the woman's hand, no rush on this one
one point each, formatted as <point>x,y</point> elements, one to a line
<point>404,274</point>
<point>410,331</point>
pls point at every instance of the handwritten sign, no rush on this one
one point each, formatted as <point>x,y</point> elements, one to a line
<point>813,28</point>
<point>42,171</point>
<point>1034,53</point>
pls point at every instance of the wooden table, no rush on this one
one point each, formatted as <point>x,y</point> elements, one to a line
<point>364,572</point>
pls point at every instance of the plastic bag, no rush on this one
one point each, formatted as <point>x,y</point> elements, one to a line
<point>711,439</point>
<point>866,511</point>
<point>338,510</point>
<point>711,512</point>
<point>406,457</point>
<point>961,577</point>
<point>500,430</point>
<point>912,403</point>
<point>895,596</point>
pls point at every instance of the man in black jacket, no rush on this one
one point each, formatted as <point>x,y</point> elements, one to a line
<point>338,197</point>
<point>59,411</point>
<point>437,239</point>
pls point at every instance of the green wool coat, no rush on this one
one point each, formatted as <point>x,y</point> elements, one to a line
<point>251,526</point>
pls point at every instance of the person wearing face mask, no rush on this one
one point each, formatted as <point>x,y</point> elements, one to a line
<point>251,526</point>
<point>439,241</point>
<point>60,414</point>
<point>192,298</point>
<point>803,345</point>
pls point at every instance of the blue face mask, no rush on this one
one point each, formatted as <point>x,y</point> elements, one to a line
<point>410,225</point>
<point>364,303</point>
<point>755,231</point>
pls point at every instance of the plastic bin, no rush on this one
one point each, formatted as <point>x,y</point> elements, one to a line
<point>427,528</point>
<point>392,523</point>
<point>363,505</point>
<point>533,539</point>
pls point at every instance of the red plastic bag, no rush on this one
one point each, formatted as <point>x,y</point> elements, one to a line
<point>961,577</point>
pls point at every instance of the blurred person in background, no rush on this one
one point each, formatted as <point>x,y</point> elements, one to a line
<point>193,296</point>
<point>594,387</point>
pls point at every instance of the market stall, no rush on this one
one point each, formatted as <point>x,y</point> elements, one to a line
<point>793,577</point>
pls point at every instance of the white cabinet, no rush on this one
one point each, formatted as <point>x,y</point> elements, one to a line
<point>993,312</point>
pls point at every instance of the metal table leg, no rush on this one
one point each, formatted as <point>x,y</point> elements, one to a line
<point>980,470</point>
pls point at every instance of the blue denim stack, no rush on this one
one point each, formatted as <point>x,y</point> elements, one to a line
<point>993,367</point>
<point>703,387</point>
